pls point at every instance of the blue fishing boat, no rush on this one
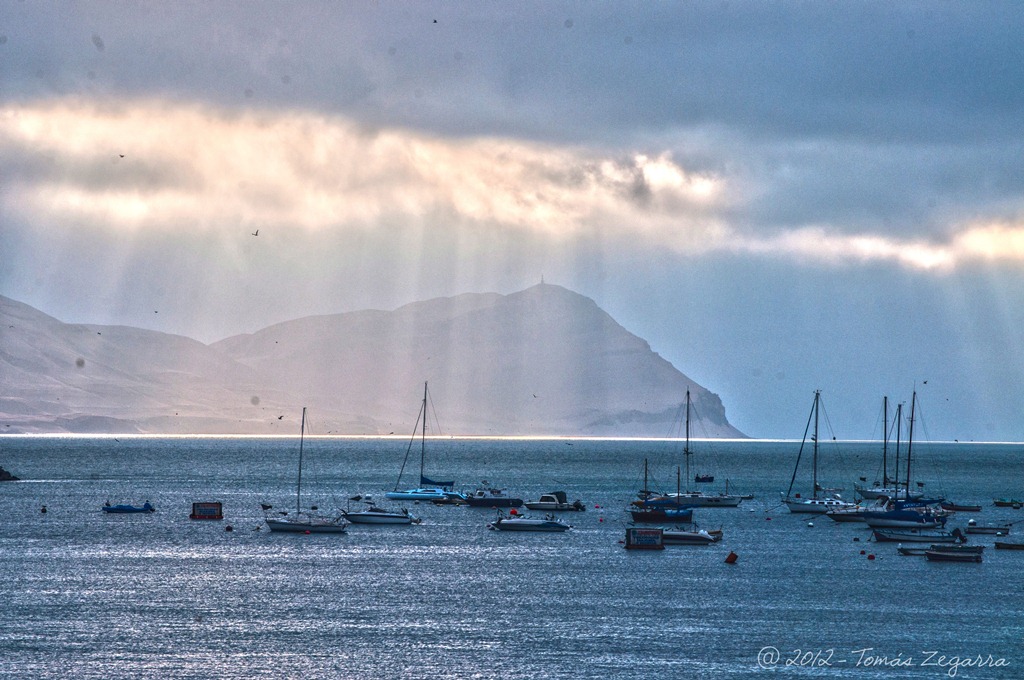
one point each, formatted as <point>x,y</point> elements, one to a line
<point>126,508</point>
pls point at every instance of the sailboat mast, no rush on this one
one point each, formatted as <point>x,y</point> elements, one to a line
<point>423,438</point>
<point>910,439</point>
<point>885,442</point>
<point>899,433</point>
<point>298,485</point>
<point>817,396</point>
<point>686,447</point>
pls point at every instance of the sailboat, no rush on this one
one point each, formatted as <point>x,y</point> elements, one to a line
<point>909,513</point>
<point>305,522</point>
<point>428,490</point>
<point>699,498</point>
<point>659,508</point>
<point>814,504</point>
<point>888,487</point>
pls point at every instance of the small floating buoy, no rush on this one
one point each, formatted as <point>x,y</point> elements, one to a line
<point>863,552</point>
<point>43,509</point>
<point>856,539</point>
<point>871,557</point>
<point>307,531</point>
<point>600,519</point>
<point>810,524</point>
<point>731,558</point>
<point>229,528</point>
<point>768,519</point>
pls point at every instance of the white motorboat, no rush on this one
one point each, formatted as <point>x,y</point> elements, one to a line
<point>555,501</point>
<point>374,515</point>
<point>521,523</point>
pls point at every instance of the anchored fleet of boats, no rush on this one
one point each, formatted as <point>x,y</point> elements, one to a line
<point>893,512</point>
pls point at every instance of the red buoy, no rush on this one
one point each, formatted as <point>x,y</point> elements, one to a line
<point>731,558</point>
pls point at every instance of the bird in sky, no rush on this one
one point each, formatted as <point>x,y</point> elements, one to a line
<point>256,233</point>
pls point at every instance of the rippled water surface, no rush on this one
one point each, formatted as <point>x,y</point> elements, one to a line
<point>90,595</point>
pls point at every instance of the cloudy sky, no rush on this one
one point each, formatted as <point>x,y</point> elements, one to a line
<point>780,197</point>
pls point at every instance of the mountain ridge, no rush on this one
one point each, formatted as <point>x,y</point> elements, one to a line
<point>544,361</point>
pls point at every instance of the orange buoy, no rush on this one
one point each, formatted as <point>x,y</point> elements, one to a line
<point>731,558</point>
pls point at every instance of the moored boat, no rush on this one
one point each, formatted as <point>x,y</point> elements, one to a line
<point>428,490</point>
<point>520,523</point>
<point>813,505</point>
<point>1007,503</point>
<point>680,514</point>
<point>942,547</point>
<point>1009,545</point>
<point>304,522</point>
<point>124,508</point>
<point>486,497</point>
<point>690,537</point>
<point>911,535</point>
<point>959,507</point>
<point>952,556</point>
<point>374,515</point>
<point>556,501</point>
<point>998,529</point>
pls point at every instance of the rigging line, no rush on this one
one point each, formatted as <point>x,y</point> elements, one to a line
<point>801,452</point>
<point>412,440</point>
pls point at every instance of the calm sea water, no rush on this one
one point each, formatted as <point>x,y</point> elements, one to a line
<point>88,595</point>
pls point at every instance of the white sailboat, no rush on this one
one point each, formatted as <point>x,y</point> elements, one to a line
<point>302,521</point>
<point>428,490</point>
<point>814,504</point>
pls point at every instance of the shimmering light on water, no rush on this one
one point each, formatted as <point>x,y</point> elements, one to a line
<point>95,596</point>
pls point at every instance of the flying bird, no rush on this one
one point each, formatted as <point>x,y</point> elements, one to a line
<point>256,233</point>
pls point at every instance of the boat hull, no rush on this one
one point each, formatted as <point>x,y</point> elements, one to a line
<point>494,502</point>
<point>371,517</point>
<point>1004,530</point>
<point>950,556</point>
<point>669,537</point>
<point>425,494</point>
<point>303,526</point>
<point>549,526</point>
<point>661,515</point>
<point>897,523</point>
<point>917,536</point>
<point>128,509</point>
<point>814,506</point>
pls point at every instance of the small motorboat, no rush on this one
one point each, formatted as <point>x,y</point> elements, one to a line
<point>690,537</point>
<point>1008,503</point>
<point>423,493</point>
<point>520,523</point>
<point>958,507</point>
<point>919,536</point>
<point>942,547</point>
<point>997,529</point>
<point>374,515</point>
<point>126,508</point>
<point>952,556</point>
<point>486,497</point>
<point>556,501</point>
<point>1009,545</point>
